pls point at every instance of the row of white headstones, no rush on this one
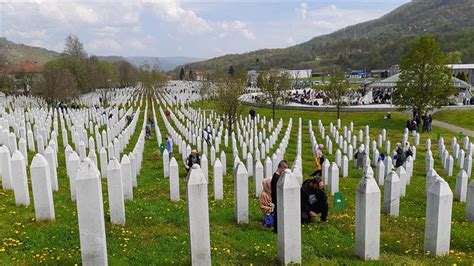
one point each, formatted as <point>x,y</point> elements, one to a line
<point>83,173</point>
<point>368,193</point>
<point>197,187</point>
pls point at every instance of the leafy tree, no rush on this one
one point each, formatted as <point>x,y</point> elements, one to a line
<point>231,70</point>
<point>190,75</point>
<point>7,83</point>
<point>260,80</point>
<point>454,57</point>
<point>78,68</point>
<point>56,83</point>
<point>181,74</point>
<point>425,80</point>
<point>337,90</point>
<point>229,88</point>
<point>73,47</point>
<point>274,86</point>
<point>151,80</point>
<point>127,73</point>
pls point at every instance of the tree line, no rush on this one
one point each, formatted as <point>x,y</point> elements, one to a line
<point>75,73</point>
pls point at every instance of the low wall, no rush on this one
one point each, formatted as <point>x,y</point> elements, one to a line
<point>326,108</point>
<point>357,109</point>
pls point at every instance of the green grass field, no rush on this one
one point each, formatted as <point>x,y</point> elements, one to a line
<point>157,231</point>
<point>460,118</point>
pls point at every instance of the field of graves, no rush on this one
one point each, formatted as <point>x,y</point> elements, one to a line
<point>156,230</point>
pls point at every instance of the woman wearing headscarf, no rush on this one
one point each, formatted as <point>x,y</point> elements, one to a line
<point>266,204</point>
<point>360,156</point>
<point>318,161</point>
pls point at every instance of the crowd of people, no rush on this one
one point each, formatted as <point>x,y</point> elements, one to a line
<point>425,120</point>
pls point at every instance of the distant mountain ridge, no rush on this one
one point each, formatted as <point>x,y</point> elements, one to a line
<point>15,53</point>
<point>373,44</point>
<point>163,63</point>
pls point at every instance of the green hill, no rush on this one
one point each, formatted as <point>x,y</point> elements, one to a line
<point>15,53</point>
<point>374,44</point>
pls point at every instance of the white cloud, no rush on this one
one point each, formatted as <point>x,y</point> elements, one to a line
<point>290,41</point>
<point>238,27</point>
<point>35,34</point>
<point>104,46</point>
<point>86,14</point>
<point>303,10</point>
<point>186,20</point>
<point>138,45</point>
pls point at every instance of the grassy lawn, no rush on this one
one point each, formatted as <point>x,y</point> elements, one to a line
<point>157,231</point>
<point>460,118</point>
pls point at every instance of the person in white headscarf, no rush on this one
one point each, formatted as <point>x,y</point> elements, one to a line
<point>360,157</point>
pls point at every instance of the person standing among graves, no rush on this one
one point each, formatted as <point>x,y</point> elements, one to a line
<point>399,156</point>
<point>252,113</point>
<point>360,156</point>
<point>318,161</point>
<point>266,205</point>
<point>193,158</point>
<point>430,123</point>
<point>314,200</point>
<point>282,166</point>
<point>169,145</point>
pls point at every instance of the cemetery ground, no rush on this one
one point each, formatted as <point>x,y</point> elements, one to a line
<point>156,230</point>
<point>460,118</point>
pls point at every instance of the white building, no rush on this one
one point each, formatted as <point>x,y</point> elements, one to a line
<point>467,68</point>
<point>299,74</point>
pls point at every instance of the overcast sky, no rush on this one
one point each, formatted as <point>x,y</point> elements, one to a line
<point>201,29</point>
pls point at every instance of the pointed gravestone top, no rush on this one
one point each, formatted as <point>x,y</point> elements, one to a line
<point>125,159</point>
<point>73,156</point>
<point>196,176</point>
<point>87,170</point>
<point>17,155</point>
<point>68,149</point>
<point>113,165</point>
<point>173,162</point>
<point>39,161</point>
<point>241,169</point>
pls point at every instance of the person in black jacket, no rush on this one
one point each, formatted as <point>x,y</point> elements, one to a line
<point>282,166</point>
<point>314,200</point>
<point>193,158</point>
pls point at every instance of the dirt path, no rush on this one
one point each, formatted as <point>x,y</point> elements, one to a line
<point>454,128</point>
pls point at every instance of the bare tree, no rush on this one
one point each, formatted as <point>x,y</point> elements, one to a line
<point>73,47</point>
<point>206,89</point>
<point>229,88</point>
<point>274,87</point>
<point>56,84</point>
<point>127,73</point>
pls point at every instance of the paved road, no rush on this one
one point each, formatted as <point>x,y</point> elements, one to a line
<point>454,128</point>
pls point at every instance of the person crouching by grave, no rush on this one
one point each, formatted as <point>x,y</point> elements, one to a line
<point>399,157</point>
<point>282,166</point>
<point>169,145</point>
<point>314,200</point>
<point>266,204</point>
<point>147,132</point>
<point>318,161</point>
<point>193,159</point>
<point>360,156</point>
